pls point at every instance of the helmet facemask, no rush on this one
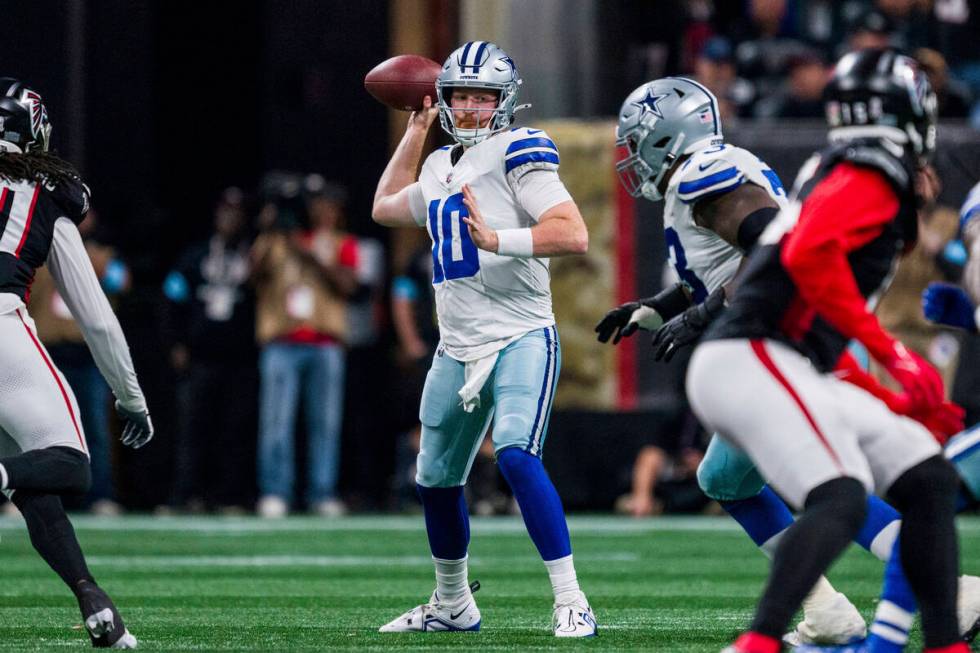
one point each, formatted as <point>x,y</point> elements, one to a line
<point>484,66</point>
<point>647,162</point>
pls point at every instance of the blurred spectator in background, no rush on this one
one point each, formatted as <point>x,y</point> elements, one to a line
<point>364,425</point>
<point>953,96</point>
<point>61,335</point>
<point>957,26</point>
<point>413,316</point>
<point>801,95</point>
<point>664,474</point>
<point>715,68</point>
<point>910,22</point>
<point>766,39</point>
<point>871,29</point>
<point>210,322</point>
<point>303,276</point>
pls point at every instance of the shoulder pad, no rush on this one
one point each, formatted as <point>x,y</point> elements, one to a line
<point>529,149</point>
<point>709,172</point>
<point>894,169</point>
<point>73,197</point>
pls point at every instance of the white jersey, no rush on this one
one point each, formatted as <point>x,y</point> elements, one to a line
<point>704,260</point>
<point>971,206</point>
<point>484,301</point>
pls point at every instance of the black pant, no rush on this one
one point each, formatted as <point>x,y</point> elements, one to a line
<point>214,443</point>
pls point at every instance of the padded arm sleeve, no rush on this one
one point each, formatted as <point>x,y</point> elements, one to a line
<point>846,210</point>
<point>79,287</point>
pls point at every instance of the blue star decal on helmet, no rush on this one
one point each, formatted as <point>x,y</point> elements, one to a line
<point>649,103</point>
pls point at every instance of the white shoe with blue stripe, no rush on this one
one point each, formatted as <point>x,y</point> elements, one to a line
<point>575,618</point>
<point>436,616</point>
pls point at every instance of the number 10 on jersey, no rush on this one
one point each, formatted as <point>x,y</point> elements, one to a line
<point>454,255</point>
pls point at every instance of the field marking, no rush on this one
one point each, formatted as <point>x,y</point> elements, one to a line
<point>401,523</point>
<point>240,526</point>
<point>168,561</point>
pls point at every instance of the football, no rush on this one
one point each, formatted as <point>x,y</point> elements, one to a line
<point>402,82</point>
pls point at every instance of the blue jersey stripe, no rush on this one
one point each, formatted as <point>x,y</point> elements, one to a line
<point>721,190</point>
<point>532,157</point>
<point>706,182</point>
<point>526,143</point>
<point>969,214</point>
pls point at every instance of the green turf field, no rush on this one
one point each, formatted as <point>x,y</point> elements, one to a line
<point>186,584</point>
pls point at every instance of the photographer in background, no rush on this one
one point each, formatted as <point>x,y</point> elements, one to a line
<point>304,270</point>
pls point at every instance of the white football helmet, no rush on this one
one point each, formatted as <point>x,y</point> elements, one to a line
<point>478,64</point>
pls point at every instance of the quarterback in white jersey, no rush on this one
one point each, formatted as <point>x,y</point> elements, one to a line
<point>486,298</point>
<point>495,209</point>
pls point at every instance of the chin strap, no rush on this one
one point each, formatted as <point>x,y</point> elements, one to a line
<point>521,107</point>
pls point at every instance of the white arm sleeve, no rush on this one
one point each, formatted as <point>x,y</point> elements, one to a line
<point>416,203</point>
<point>78,285</point>
<point>539,190</point>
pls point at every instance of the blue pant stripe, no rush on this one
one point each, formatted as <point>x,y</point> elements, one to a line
<point>551,401</point>
<point>544,391</point>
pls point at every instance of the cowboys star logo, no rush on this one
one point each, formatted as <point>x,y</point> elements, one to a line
<point>649,103</point>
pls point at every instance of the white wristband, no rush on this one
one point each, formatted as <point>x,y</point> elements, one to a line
<point>976,319</point>
<point>515,242</point>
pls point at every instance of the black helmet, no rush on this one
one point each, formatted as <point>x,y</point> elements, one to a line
<point>24,125</point>
<point>882,93</point>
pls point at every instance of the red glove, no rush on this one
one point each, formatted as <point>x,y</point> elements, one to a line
<point>921,381</point>
<point>944,421</point>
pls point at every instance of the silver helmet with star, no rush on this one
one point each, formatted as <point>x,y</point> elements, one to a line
<point>660,122</point>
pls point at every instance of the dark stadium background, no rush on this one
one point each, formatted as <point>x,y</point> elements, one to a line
<point>163,104</point>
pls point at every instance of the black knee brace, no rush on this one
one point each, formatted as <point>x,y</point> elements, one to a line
<point>54,470</point>
<point>932,477</point>
<point>845,498</point>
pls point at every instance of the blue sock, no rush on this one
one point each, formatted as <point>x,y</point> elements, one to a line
<point>539,502</point>
<point>763,517</point>
<point>880,528</point>
<point>447,521</point>
<point>890,630</point>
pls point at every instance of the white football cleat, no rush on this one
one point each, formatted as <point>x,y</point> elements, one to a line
<point>968,607</point>
<point>102,621</point>
<point>834,621</point>
<point>436,616</point>
<point>574,618</point>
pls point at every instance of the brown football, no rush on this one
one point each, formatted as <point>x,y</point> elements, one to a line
<point>402,82</point>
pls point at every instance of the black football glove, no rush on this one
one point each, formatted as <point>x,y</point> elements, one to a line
<point>617,323</point>
<point>686,328</point>
<point>137,426</point>
<point>649,314</point>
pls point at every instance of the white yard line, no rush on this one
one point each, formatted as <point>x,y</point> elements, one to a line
<point>169,561</point>
<point>235,526</point>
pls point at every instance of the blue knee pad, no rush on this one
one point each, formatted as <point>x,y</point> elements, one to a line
<point>727,473</point>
